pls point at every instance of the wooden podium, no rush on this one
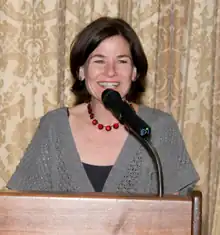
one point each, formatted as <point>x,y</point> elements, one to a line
<point>99,214</point>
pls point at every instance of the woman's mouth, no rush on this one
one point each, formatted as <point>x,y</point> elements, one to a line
<point>109,85</point>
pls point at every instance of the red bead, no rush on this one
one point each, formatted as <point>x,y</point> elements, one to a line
<point>100,126</point>
<point>94,122</point>
<point>115,125</point>
<point>108,128</point>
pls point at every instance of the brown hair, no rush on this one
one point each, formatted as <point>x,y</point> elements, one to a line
<point>86,42</point>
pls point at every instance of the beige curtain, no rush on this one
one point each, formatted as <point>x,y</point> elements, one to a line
<point>181,39</point>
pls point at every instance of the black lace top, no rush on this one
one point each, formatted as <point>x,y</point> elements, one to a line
<point>97,175</point>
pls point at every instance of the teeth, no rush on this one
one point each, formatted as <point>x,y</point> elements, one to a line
<point>108,84</point>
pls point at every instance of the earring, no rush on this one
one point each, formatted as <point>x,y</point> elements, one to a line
<point>134,79</point>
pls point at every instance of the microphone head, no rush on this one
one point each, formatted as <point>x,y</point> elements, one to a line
<point>110,97</point>
<point>112,101</point>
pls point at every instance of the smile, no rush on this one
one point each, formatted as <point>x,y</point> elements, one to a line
<point>108,84</point>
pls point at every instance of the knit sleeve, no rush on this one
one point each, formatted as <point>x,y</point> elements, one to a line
<point>33,173</point>
<point>178,170</point>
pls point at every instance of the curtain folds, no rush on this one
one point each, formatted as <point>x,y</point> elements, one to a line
<point>182,41</point>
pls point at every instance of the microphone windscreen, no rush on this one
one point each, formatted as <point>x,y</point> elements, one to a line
<point>112,101</point>
<point>110,97</point>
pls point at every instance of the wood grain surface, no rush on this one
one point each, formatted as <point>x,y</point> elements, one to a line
<point>93,214</point>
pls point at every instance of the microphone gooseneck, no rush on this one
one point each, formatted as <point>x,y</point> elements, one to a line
<point>139,128</point>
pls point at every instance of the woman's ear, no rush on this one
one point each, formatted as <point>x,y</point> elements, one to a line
<point>81,74</point>
<point>134,74</point>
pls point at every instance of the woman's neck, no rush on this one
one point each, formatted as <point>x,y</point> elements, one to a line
<point>102,114</point>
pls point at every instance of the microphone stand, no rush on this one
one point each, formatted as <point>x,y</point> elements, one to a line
<point>144,138</point>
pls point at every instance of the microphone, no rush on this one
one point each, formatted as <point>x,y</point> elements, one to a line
<point>126,115</point>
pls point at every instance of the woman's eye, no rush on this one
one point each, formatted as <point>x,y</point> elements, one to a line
<point>123,61</point>
<point>99,61</point>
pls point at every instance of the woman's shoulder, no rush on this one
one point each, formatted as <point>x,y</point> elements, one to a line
<point>53,116</point>
<point>154,114</point>
<point>158,120</point>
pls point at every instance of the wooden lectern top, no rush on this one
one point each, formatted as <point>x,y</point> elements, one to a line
<point>98,214</point>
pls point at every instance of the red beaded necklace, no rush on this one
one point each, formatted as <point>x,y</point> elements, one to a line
<point>99,125</point>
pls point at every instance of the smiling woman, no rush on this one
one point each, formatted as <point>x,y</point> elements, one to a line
<point>84,148</point>
<point>109,66</point>
<point>115,47</point>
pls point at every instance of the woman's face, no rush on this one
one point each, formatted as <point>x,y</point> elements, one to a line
<point>109,66</point>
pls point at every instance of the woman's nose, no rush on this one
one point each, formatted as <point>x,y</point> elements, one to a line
<point>110,69</point>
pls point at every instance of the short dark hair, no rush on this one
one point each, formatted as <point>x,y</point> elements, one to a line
<point>86,42</point>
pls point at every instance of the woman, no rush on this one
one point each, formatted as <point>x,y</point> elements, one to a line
<point>84,148</point>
